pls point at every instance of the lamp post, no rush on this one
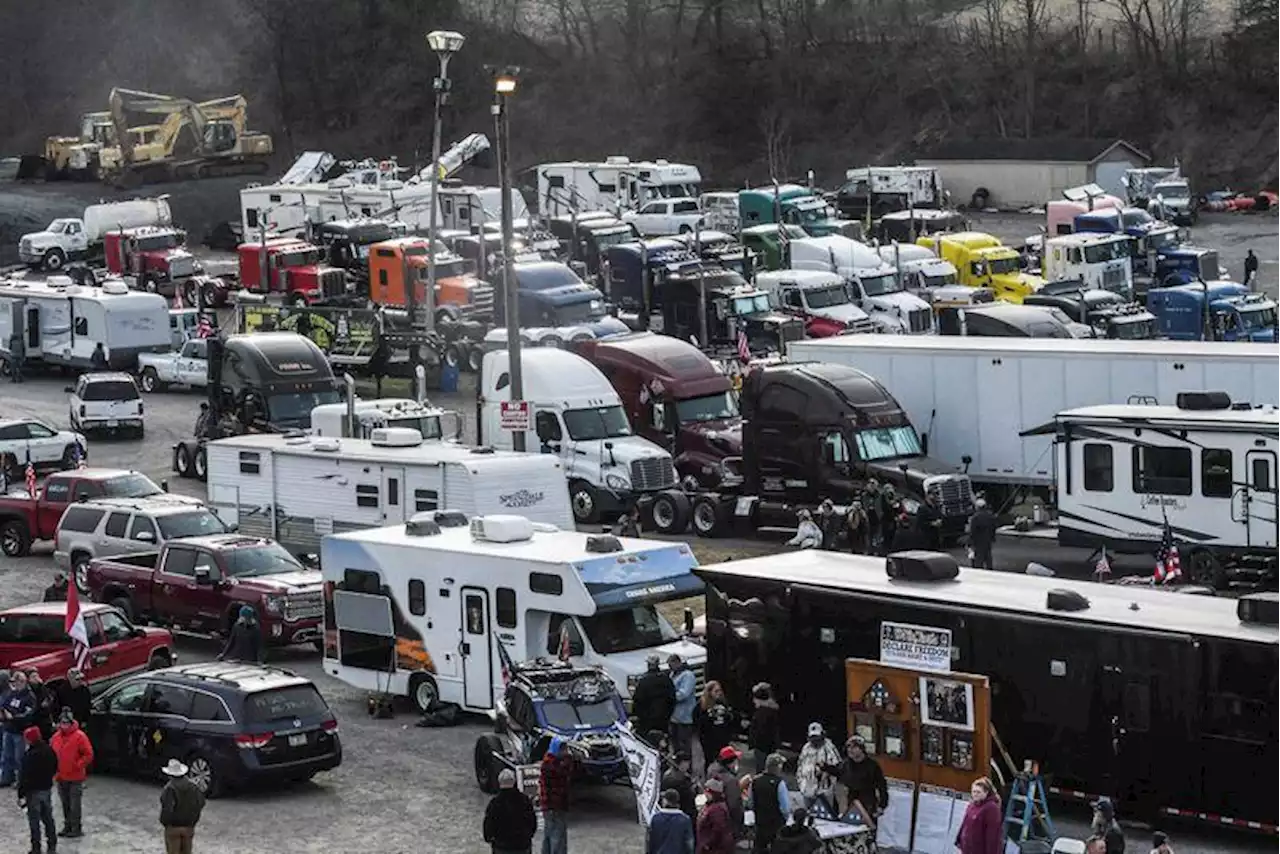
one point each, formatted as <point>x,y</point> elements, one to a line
<point>504,86</point>
<point>444,43</point>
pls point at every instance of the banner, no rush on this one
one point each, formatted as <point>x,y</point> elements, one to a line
<point>645,767</point>
<point>346,335</point>
<point>915,647</point>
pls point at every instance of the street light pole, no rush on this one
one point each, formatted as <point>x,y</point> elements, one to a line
<point>504,87</point>
<point>445,43</point>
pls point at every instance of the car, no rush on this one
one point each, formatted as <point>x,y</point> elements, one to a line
<point>29,439</point>
<point>35,635</point>
<point>106,400</point>
<point>116,526</point>
<point>546,700</point>
<point>665,216</point>
<point>230,723</point>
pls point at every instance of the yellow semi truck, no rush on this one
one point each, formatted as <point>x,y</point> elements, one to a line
<point>982,261</point>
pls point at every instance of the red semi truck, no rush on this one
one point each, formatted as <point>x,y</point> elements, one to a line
<point>289,269</point>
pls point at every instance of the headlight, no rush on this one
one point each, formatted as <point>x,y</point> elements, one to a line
<point>616,481</point>
<point>273,604</point>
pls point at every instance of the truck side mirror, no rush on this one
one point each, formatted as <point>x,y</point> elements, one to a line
<point>203,576</point>
<point>688,621</point>
<point>145,536</point>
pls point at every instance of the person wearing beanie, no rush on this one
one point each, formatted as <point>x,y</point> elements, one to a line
<point>670,830</point>
<point>75,755</point>
<point>982,535</point>
<point>555,778</point>
<point>797,837</point>
<point>715,827</point>
<point>679,779</point>
<point>73,693</point>
<point>244,641</point>
<point>725,769</point>
<point>866,789</point>
<point>1160,843</point>
<point>653,699</point>
<point>1106,827</point>
<point>35,789</point>
<point>509,819</point>
<point>771,802</point>
<point>763,736</point>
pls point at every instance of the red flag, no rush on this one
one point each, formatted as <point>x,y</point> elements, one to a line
<point>1172,564</point>
<point>564,640</point>
<point>31,479</point>
<point>744,351</point>
<point>505,658</point>
<point>75,626</point>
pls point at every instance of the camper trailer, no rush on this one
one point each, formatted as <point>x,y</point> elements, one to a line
<point>438,607</point>
<point>296,489</point>
<point>617,184</point>
<point>334,419</point>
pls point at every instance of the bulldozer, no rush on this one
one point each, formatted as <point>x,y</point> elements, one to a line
<point>76,157</point>
<point>195,140</point>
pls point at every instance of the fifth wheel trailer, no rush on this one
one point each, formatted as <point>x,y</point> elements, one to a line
<point>973,396</point>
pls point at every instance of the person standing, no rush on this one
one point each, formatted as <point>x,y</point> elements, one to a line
<point>17,356</point>
<point>887,512</point>
<point>982,534</point>
<point>181,804</point>
<point>554,780</point>
<point>244,641</point>
<point>929,523</point>
<point>74,694</point>
<point>763,736</point>
<point>98,359</point>
<point>715,827</point>
<point>871,505</point>
<point>831,524</point>
<point>798,837</point>
<point>816,782</point>
<point>42,717</point>
<point>858,529</point>
<point>35,789</point>
<point>653,699</point>
<point>509,820</point>
<point>1106,827</point>
<point>75,754</point>
<point>714,721</point>
<point>19,705</point>
<point>982,829</point>
<point>725,769</point>
<point>866,789</point>
<point>1250,271</point>
<point>679,780</point>
<point>686,687</point>
<point>1160,843</point>
<point>670,830</point>
<point>771,802</point>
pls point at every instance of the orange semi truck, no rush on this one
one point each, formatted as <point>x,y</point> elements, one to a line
<point>459,294</point>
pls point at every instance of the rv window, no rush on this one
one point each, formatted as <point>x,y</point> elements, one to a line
<point>366,495</point>
<point>417,598</point>
<point>275,197</point>
<point>504,380</point>
<point>1215,473</point>
<point>362,581</point>
<point>1099,471</point>
<point>1260,477</point>
<point>475,614</point>
<point>117,525</point>
<point>546,584</point>
<point>82,326</point>
<point>426,499</point>
<point>556,181</point>
<point>1161,471</point>
<point>251,217</point>
<point>608,188</point>
<point>506,601</point>
<point>250,462</point>
<point>393,491</point>
<point>553,633</point>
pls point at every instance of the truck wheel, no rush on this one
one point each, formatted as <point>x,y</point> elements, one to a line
<point>708,519</point>
<point>670,512</point>
<point>423,692</point>
<point>124,605</point>
<point>453,356</point>
<point>15,539</point>
<point>486,763</point>
<point>147,283</point>
<point>214,297</point>
<point>80,571</point>
<point>1203,567</point>
<point>151,380</point>
<point>188,293</point>
<point>475,358</point>
<point>159,660</point>
<point>182,461</point>
<point>584,501</point>
<point>68,458</point>
<point>200,465</point>
<point>54,259</point>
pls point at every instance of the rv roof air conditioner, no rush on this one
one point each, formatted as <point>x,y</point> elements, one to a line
<point>920,565</point>
<point>1066,600</point>
<point>395,437</point>
<point>1203,401</point>
<point>1259,608</point>
<point>114,287</point>
<point>328,444</point>
<point>603,544</point>
<point>501,529</point>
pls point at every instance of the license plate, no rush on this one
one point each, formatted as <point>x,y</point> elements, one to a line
<point>113,422</point>
<point>297,740</point>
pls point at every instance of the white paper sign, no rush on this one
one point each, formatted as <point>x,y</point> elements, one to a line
<point>893,833</point>
<point>933,821</point>
<point>915,647</point>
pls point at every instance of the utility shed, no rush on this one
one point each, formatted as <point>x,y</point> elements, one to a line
<point>1022,172</point>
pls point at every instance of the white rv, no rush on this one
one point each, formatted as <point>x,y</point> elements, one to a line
<point>295,489</point>
<point>432,422</point>
<point>420,609</point>
<point>616,185</point>
<point>62,323</point>
<point>908,186</point>
<point>578,418</point>
<point>873,283</point>
<point>1202,469</point>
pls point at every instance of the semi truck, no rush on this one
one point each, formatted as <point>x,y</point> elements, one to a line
<point>794,205</point>
<point>151,257</point>
<point>984,262</point>
<point>820,299</point>
<point>459,295</point>
<point>874,285</point>
<point>1215,311</point>
<point>1100,261</point>
<point>291,270</point>
<point>81,238</point>
<point>1107,313</point>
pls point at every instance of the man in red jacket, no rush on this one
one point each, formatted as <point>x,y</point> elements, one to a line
<point>715,827</point>
<point>75,754</point>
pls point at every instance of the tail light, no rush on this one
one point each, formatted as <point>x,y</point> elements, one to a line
<point>330,726</point>
<point>82,411</point>
<point>246,741</point>
<point>139,407</point>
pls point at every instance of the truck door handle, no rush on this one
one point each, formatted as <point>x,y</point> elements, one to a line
<point>466,649</point>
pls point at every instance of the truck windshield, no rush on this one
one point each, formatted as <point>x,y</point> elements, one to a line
<point>607,239</point>
<point>427,425</point>
<point>601,422</point>
<point>157,242</point>
<point>269,558</point>
<point>756,304</point>
<point>1134,330</point>
<point>826,297</point>
<point>709,407</point>
<point>1172,191</point>
<point>191,524</point>
<point>577,312</point>
<point>937,280</point>
<point>1135,217</point>
<point>298,258</point>
<point>627,629</point>
<point>1209,266</point>
<point>295,407</point>
<point>563,715</point>
<point>883,443</point>
<point>1113,250</point>
<point>878,286</point>
<point>1258,318</point>
<point>1003,266</point>
<point>1161,240</point>
<point>60,225</point>
<point>131,485</point>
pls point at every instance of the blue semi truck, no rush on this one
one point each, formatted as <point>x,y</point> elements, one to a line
<point>1212,310</point>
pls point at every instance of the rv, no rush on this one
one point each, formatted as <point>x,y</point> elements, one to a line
<point>1165,702</point>
<point>617,184</point>
<point>878,190</point>
<point>432,422</point>
<point>1202,471</point>
<point>61,323</point>
<point>436,608</point>
<point>295,489</point>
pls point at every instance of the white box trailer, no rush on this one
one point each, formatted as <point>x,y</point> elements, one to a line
<point>973,396</point>
<point>297,489</point>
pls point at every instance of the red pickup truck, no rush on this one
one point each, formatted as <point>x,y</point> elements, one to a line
<point>34,636</point>
<point>24,520</point>
<point>200,584</point>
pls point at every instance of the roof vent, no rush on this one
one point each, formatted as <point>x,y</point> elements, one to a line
<point>922,565</point>
<point>419,526</point>
<point>486,449</point>
<point>501,529</point>
<point>1203,401</point>
<point>115,287</point>
<point>603,544</point>
<point>395,437</point>
<point>1066,600</point>
<point>1258,608</point>
<point>617,160</point>
<point>328,444</point>
<point>59,281</point>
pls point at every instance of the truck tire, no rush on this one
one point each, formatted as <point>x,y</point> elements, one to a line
<point>151,381</point>
<point>80,570</point>
<point>585,502</point>
<point>188,293</point>
<point>68,461</point>
<point>214,297</point>
<point>708,517</point>
<point>670,511</point>
<point>424,692</point>
<point>200,464</point>
<point>182,461</point>
<point>159,660</point>
<point>15,539</point>
<point>124,605</point>
<point>453,355</point>
<point>475,358</point>
<point>54,259</point>
<point>486,764</point>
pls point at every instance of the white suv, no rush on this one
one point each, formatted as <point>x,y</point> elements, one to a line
<point>665,216</point>
<point>106,401</point>
<point>26,438</point>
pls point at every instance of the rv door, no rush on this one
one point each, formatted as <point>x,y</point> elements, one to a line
<point>477,662</point>
<point>33,329</point>
<point>393,488</point>
<point>1260,499</point>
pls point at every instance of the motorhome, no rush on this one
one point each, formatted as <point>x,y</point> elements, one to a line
<point>295,489</point>
<point>616,184</point>
<point>878,190</point>
<point>438,607</point>
<point>578,418</point>
<point>62,323</point>
<point>432,422</point>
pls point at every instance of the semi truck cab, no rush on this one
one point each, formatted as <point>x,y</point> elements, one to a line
<point>770,242</point>
<point>290,268</point>
<point>1100,261</point>
<point>984,262</point>
<point>1232,313</point>
<point>153,255</point>
<point>820,299</point>
<point>873,284</point>
<point>459,294</point>
<point>797,206</point>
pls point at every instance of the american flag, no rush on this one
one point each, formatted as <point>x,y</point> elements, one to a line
<point>204,328</point>
<point>1103,566</point>
<point>744,351</point>
<point>31,478</point>
<point>507,666</point>
<point>1168,562</point>
<point>564,640</point>
<point>75,626</point>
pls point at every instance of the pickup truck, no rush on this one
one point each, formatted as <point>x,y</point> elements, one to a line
<point>35,636</point>
<point>188,366</point>
<point>23,521</point>
<point>200,583</point>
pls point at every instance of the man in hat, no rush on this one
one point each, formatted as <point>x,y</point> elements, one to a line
<point>16,712</point>
<point>1106,827</point>
<point>831,524</point>
<point>35,788</point>
<point>686,689</point>
<point>244,642</point>
<point>982,534</point>
<point>670,830</point>
<point>181,803</point>
<point>73,693</point>
<point>555,777</point>
<point>771,802</point>
<point>866,789</point>
<point>75,754</point>
<point>725,769</point>
<point>654,698</point>
<point>509,819</point>
<point>715,827</point>
<point>815,781</point>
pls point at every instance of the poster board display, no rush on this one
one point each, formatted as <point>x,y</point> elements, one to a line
<point>893,834</point>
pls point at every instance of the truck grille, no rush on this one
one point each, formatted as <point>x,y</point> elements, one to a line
<point>481,301</point>
<point>861,327</point>
<point>303,606</point>
<point>24,245</point>
<point>652,474</point>
<point>333,283</point>
<point>182,267</point>
<point>920,320</point>
<point>954,495</point>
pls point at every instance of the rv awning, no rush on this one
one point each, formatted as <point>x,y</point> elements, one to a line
<point>1049,428</point>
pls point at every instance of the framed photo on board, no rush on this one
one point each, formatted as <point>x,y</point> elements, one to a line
<point>960,750</point>
<point>946,703</point>
<point>933,745</point>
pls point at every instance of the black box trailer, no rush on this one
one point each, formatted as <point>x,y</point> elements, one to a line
<point>1164,701</point>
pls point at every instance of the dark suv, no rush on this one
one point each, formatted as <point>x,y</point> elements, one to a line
<point>230,723</point>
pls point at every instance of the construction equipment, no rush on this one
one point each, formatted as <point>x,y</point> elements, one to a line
<point>76,157</point>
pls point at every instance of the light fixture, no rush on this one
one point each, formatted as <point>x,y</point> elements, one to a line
<point>505,83</point>
<point>445,42</point>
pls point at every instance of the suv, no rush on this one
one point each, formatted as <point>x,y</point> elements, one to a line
<point>116,526</point>
<point>23,439</point>
<point>106,400</point>
<point>229,723</point>
<point>546,700</point>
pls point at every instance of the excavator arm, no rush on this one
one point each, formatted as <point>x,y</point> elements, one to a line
<point>177,111</point>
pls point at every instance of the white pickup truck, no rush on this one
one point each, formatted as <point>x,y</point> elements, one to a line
<point>188,366</point>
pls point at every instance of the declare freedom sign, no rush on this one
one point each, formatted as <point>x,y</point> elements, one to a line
<point>915,647</point>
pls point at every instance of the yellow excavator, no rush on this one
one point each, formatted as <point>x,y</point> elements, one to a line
<point>76,157</point>
<point>195,140</point>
